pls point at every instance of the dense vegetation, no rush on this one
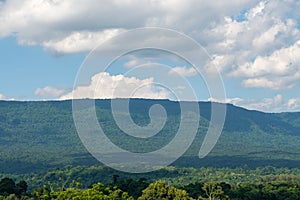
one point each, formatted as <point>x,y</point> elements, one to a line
<point>169,183</point>
<point>37,136</point>
<point>42,157</point>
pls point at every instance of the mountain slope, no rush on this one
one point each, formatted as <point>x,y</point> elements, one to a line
<point>35,136</point>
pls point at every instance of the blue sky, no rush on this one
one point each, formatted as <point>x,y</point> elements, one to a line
<point>26,68</point>
<point>254,46</point>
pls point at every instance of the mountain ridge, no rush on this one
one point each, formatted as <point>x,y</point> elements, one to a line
<point>38,135</point>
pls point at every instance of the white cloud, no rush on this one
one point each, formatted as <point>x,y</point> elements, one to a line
<point>261,83</point>
<point>53,24</point>
<point>3,97</point>
<point>256,10</point>
<point>258,33</point>
<point>252,41</point>
<point>132,63</point>
<point>105,86</point>
<point>224,29</point>
<point>277,99</point>
<point>135,61</point>
<point>234,101</point>
<point>182,71</point>
<point>221,62</point>
<point>275,104</point>
<point>280,70</point>
<point>293,104</point>
<point>49,92</point>
<point>80,41</point>
<point>69,26</point>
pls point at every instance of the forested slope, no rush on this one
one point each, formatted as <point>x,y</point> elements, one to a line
<point>36,136</point>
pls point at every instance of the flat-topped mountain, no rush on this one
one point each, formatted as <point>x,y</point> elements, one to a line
<point>38,135</point>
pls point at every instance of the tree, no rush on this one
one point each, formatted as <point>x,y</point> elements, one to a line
<point>21,188</point>
<point>213,191</point>
<point>133,187</point>
<point>97,192</point>
<point>161,191</point>
<point>193,189</point>
<point>7,186</point>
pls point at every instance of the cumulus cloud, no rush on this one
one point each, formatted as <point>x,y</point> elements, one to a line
<point>235,32</point>
<point>53,24</point>
<point>236,27</point>
<point>272,33</point>
<point>182,71</point>
<point>252,41</point>
<point>49,92</point>
<point>105,86</point>
<point>257,33</point>
<point>278,71</point>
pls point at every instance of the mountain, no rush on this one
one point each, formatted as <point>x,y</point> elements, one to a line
<point>38,135</point>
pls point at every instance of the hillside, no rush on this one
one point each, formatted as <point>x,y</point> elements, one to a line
<point>36,136</point>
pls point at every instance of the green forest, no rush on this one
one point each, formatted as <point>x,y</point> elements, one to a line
<point>42,157</point>
<point>98,182</point>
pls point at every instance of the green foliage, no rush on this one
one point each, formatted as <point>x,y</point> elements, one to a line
<point>271,190</point>
<point>180,183</point>
<point>180,177</point>
<point>133,187</point>
<point>37,136</point>
<point>97,191</point>
<point>9,188</point>
<point>161,191</point>
<point>213,191</point>
<point>30,130</point>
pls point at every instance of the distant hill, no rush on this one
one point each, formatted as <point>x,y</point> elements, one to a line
<point>36,136</point>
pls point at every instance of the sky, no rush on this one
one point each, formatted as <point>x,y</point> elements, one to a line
<point>242,52</point>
